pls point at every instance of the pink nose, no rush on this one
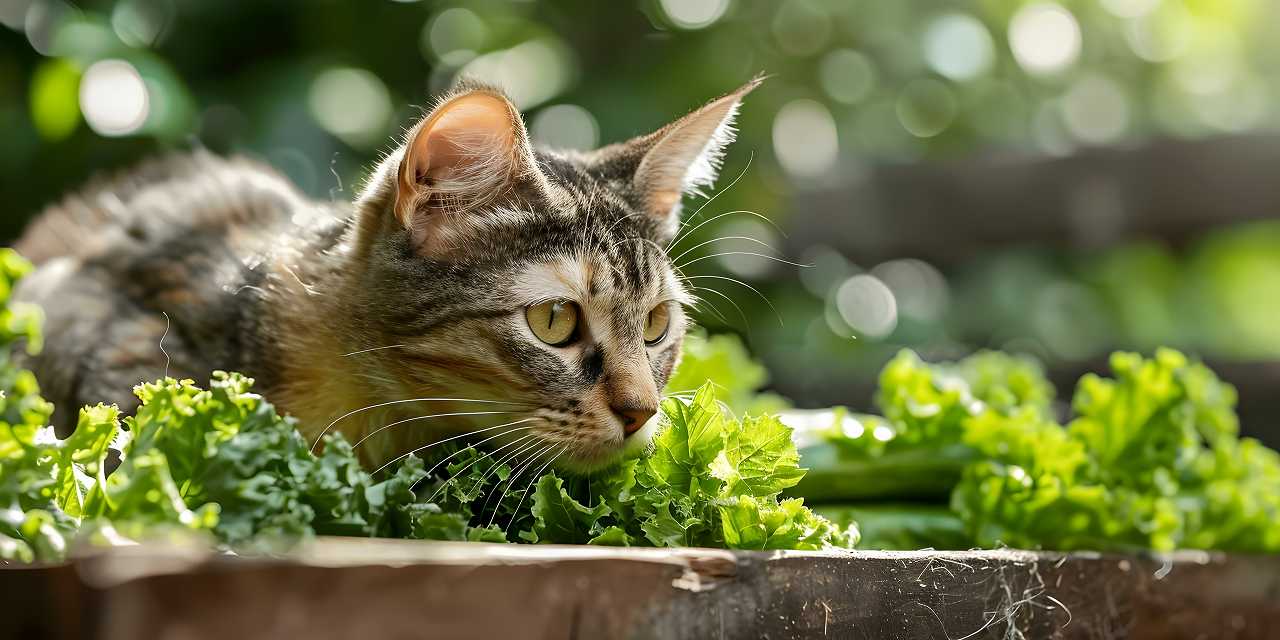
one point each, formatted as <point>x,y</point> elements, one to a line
<point>633,417</point>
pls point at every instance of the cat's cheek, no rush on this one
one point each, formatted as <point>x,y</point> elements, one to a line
<point>664,363</point>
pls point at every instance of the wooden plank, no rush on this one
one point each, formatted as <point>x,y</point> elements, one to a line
<point>949,212</point>
<point>337,588</point>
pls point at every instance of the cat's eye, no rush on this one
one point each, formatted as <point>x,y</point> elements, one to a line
<point>554,322</point>
<point>655,325</point>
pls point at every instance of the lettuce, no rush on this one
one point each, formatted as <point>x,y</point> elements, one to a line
<point>917,449</point>
<point>710,481</point>
<point>1152,460</point>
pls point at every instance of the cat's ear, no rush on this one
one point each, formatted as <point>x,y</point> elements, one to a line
<point>462,155</point>
<point>685,156</point>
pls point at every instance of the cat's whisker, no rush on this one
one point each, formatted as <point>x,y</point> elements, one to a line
<point>497,465</point>
<point>743,253</point>
<point>638,238</point>
<point>470,464</point>
<point>710,308</point>
<point>536,475</point>
<point>609,232</point>
<point>450,479</point>
<point>705,306</point>
<point>428,417</point>
<point>707,242</point>
<point>687,392</point>
<point>370,376</point>
<point>717,194</point>
<point>689,233</point>
<point>517,470</point>
<point>731,301</point>
<point>390,346</point>
<point>398,402</point>
<point>461,435</point>
<point>516,473</point>
<point>737,281</point>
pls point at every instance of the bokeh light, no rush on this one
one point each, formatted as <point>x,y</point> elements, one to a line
<point>140,23</point>
<point>565,126</point>
<point>1130,8</point>
<point>531,72</point>
<point>114,98</point>
<point>827,269</point>
<point>846,75</point>
<point>55,109</point>
<point>1163,35</point>
<point>926,108</point>
<point>454,36</point>
<point>694,14</point>
<point>919,289</point>
<point>737,258</point>
<point>801,27</point>
<point>805,138</point>
<point>1095,109</point>
<point>868,306</point>
<point>958,46</point>
<point>1045,37</point>
<point>352,104</point>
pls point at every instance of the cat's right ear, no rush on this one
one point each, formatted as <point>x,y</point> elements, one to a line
<point>684,157</point>
<point>462,155</point>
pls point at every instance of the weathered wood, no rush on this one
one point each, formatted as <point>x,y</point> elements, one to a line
<point>391,589</point>
<point>948,212</point>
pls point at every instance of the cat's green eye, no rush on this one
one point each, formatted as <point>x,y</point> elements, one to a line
<point>555,322</point>
<point>655,325</point>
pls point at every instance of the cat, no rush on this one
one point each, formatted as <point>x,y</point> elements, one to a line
<point>476,285</point>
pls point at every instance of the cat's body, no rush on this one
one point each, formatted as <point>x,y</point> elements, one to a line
<point>173,267</point>
<point>416,312</point>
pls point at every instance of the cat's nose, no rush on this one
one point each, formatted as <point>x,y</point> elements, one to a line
<point>632,417</point>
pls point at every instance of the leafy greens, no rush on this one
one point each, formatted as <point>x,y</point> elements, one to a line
<point>1151,460</point>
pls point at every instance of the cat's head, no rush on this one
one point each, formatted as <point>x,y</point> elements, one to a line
<point>535,281</point>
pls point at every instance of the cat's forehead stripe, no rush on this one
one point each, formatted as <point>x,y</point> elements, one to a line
<point>587,276</point>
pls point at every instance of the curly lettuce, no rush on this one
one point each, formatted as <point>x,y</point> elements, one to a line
<point>1152,460</point>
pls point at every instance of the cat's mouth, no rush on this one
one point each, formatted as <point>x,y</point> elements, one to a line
<point>587,441</point>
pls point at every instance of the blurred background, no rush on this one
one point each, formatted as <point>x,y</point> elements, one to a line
<point>1058,178</point>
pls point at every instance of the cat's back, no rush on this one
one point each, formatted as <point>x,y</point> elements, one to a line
<point>178,197</point>
<point>153,270</point>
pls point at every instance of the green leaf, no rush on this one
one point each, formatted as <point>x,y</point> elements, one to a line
<point>613,536</point>
<point>752,523</point>
<point>662,529</point>
<point>434,524</point>
<point>560,519</point>
<point>759,459</point>
<point>684,450</point>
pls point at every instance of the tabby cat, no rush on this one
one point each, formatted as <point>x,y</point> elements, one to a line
<point>476,285</point>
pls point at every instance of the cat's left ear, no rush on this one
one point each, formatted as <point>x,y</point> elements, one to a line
<point>685,156</point>
<point>465,153</point>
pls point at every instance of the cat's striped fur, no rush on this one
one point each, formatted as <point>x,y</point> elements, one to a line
<point>416,290</point>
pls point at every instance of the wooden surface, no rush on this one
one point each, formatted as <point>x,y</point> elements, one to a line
<point>394,589</point>
<point>949,212</point>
